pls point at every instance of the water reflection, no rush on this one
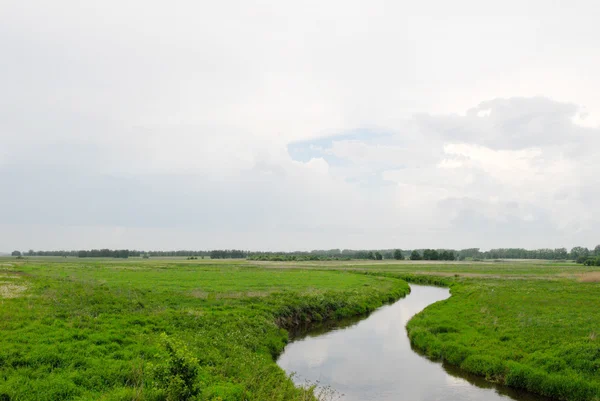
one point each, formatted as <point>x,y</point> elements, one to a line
<point>371,359</point>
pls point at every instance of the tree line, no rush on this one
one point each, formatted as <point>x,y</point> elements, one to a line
<point>104,253</point>
<point>126,253</point>
<point>579,254</point>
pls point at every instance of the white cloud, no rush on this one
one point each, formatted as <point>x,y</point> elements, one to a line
<point>209,124</point>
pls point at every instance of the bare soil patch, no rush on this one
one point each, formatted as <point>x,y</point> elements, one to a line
<point>591,277</point>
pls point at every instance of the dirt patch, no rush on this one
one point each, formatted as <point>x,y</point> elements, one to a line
<point>486,275</point>
<point>10,290</point>
<point>591,277</point>
<point>586,277</point>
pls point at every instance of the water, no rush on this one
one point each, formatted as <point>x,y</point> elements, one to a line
<point>371,359</point>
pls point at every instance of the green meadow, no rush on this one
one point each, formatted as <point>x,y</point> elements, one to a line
<point>171,329</point>
<point>163,329</point>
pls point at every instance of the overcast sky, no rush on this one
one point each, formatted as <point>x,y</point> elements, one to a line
<point>297,125</point>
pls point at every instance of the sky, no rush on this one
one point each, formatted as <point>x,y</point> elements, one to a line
<point>286,125</point>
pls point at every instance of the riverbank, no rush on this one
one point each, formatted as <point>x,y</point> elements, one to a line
<point>537,335</point>
<point>372,358</point>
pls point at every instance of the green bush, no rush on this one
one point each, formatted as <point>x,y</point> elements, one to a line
<point>177,375</point>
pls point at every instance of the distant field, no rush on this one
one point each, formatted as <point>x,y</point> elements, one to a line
<point>488,269</point>
<point>90,329</point>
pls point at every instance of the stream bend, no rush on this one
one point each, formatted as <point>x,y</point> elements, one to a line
<point>370,358</point>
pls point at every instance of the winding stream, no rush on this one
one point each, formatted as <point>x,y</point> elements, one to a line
<point>371,359</point>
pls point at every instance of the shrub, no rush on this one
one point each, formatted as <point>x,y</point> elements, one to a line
<point>177,375</point>
<point>592,262</point>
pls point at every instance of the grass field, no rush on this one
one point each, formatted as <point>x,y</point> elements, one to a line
<point>93,329</point>
<point>157,329</point>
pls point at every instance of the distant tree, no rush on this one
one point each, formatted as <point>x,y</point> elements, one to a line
<point>31,252</point>
<point>371,255</point>
<point>592,261</point>
<point>230,254</point>
<point>447,255</point>
<point>388,254</point>
<point>121,253</point>
<point>430,254</point>
<point>398,254</point>
<point>415,255</point>
<point>579,252</point>
<point>560,253</point>
<point>16,253</point>
<point>471,253</point>
<point>597,250</point>
<point>378,256</point>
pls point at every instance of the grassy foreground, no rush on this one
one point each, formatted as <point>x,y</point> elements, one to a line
<point>168,329</point>
<point>163,330</point>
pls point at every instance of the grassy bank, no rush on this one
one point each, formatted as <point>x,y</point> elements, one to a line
<point>156,330</point>
<point>538,335</point>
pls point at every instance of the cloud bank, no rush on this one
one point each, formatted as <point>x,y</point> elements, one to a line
<point>278,127</point>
